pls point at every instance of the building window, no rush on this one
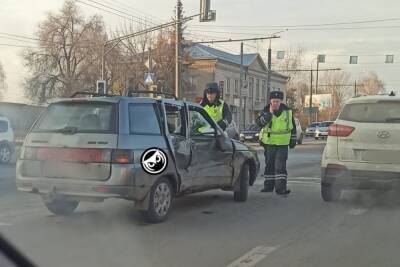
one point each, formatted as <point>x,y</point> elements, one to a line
<point>236,87</point>
<point>263,88</point>
<point>251,87</point>
<point>258,89</point>
<point>228,86</point>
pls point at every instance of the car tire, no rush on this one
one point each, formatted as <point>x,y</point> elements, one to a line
<point>244,177</point>
<point>316,138</point>
<point>159,209</point>
<point>330,192</point>
<point>300,141</point>
<point>5,154</point>
<point>61,207</point>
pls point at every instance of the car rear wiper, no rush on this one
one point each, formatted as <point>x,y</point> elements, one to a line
<point>66,130</point>
<point>392,119</point>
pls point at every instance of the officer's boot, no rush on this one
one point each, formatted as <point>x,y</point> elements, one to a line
<point>269,184</point>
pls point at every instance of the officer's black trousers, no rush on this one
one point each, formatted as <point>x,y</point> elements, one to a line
<point>275,173</point>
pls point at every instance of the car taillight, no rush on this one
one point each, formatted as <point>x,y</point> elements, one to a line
<point>81,155</point>
<point>122,156</point>
<point>340,130</point>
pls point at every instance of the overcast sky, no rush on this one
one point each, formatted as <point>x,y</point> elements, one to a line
<point>339,42</point>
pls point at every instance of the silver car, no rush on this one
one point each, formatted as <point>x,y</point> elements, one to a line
<point>142,149</point>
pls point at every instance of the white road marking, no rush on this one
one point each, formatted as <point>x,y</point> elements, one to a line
<point>253,257</point>
<point>357,211</point>
<point>305,178</point>
<point>304,183</point>
<point>5,224</point>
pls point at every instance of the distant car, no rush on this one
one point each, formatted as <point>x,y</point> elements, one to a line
<point>142,149</point>
<point>6,140</point>
<point>310,130</point>
<point>299,131</point>
<point>321,131</point>
<point>251,133</point>
<point>363,147</point>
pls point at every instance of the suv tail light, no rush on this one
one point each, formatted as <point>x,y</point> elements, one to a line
<point>340,130</point>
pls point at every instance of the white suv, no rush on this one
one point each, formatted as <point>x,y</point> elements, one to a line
<point>363,147</point>
<point>6,140</point>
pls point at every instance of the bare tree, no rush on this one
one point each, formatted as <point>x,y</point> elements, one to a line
<point>68,57</point>
<point>3,84</point>
<point>370,84</point>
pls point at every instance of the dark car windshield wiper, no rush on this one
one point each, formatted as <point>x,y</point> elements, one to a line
<point>392,119</point>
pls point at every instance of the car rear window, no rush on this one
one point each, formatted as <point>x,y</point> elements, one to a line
<point>3,126</point>
<point>379,112</point>
<point>143,119</point>
<point>313,125</point>
<point>80,117</point>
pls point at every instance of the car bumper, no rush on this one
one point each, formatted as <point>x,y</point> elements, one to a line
<point>321,134</point>
<point>121,184</point>
<point>360,179</point>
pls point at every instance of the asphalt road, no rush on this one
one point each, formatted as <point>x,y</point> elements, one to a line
<point>209,229</point>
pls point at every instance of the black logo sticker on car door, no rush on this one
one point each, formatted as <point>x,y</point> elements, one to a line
<point>154,161</point>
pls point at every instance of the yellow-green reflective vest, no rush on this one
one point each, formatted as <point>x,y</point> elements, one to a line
<point>215,112</point>
<point>280,131</point>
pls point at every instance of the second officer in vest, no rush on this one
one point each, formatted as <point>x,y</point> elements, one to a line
<point>217,109</point>
<point>278,133</point>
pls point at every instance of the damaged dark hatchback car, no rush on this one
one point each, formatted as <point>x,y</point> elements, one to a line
<point>144,149</point>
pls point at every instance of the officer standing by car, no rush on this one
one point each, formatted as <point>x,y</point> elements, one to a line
<point>216,107</point>
<point>278,133</point>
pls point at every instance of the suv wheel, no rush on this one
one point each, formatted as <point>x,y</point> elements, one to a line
<point>161,195</point>
<point>244,176</point>
<point>330,192</point>
<point>5,154</point>
<point>61,207</point>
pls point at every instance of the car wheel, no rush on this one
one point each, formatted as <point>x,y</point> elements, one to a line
<point>5,154</point>
<point>300,141</point>
<point>61,207</point>
<point>161,196</point>
<point>316,138</point>
<point>244,176</point>
<point>330,192</point>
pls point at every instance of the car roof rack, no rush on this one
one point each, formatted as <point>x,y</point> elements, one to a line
<point>132,93</point>
<point>88,93</point>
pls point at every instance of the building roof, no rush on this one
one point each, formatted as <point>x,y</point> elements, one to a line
<point>200,51</point>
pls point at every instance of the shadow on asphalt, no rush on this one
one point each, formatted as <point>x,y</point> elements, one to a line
<point>371,199</point>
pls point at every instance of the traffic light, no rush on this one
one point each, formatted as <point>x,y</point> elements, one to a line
<point>101,87</point>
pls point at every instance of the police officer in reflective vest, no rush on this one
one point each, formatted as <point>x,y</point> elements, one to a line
<point>278,133</point>
<point>217,109</point>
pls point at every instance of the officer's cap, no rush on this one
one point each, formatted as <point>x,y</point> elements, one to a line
<point>276,95</point>
<point>212,88</point>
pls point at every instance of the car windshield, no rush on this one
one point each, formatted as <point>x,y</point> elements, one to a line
<point>313,125</point>
<point>79,117</point>
<point>325,124</point>
<point>380,112</point>
<point>253,127</point>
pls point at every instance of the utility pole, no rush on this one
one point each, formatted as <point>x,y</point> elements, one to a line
<point>310,105</point>
<point>269,71</point>
<point>316,88</point>
<point>178,38</point>
<point>355,88</point>
<point>241,126</point>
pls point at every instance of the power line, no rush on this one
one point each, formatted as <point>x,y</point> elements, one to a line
<point>137,11</point>
<point>110,12</point>
<point>23,46</point>
<point>19,36</point>
<point>19,40</point>
<point>306,25</point>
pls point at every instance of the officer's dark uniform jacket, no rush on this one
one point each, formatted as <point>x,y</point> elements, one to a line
<point>219,111</point>
<point>276,139</point>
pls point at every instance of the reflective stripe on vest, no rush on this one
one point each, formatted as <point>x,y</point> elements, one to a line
<point>280,131</point>
<point>215,112</point>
